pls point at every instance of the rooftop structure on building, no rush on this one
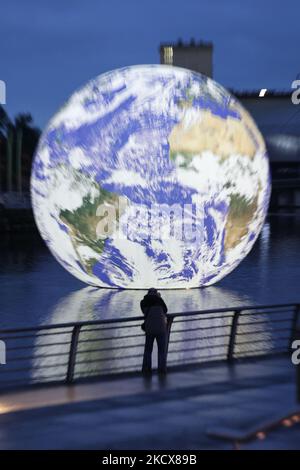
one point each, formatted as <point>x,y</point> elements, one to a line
<point>195,55</point>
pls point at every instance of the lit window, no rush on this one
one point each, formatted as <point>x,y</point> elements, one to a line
<point>168,55</point>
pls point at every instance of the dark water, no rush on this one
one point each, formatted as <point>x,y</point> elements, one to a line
<point>35,289</point>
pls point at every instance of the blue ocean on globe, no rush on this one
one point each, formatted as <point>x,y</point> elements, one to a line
<point>150,176</point>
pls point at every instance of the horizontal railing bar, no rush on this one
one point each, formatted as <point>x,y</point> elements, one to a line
<point>105,328</point>
<point>11,371</point>
<point>195,338</point>
<point>37,346</point>
<point>272,308</point>
<point>239,308</point>
<point>211,317</point>
<point>230,314</point>
<point>267,334</point>
<point>265,322</point>
<point>23,358</point>
<point>71,324</point>
<point>212,327</point>
<point>99,335</point>
<point>108,338</point>
<point>142,334</point>
<point>176,361</point>
<point>54,333</point>
<point>40,366</point>
<point>41,356</point>
<point>17,337</point>
<point>260,340</point>
<point>109,358</point>
<point>253,332</point>
<point>267,350</point>
<point>36,335</point>
<point>49,366</point>
<point>172,342</point>
<point>50,376</point>
<point>82,351</point>
<point>34,380</point>
<point>259,354</point>
<point>196,348</point>
<point>277,330</point>
<point>106,369</point>
<point>245,313</point>
<point>213,346</point>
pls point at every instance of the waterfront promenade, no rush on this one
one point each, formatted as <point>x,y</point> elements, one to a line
<point>181,412</point>
<point>231,383</point>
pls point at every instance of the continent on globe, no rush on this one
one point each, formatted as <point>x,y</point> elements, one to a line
<point>151,176</point>
<point>81,224</point>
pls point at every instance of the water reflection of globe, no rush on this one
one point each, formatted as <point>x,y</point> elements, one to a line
<point>174,157</point>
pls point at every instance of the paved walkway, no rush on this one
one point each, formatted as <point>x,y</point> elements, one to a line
<point>176,413</point>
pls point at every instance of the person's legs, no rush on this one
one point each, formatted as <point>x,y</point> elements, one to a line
<point>147,360</point>
<point>162,350</point>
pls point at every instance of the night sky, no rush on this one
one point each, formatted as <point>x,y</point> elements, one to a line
<point>49,49</point>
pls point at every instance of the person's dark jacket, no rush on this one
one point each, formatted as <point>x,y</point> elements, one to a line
<point>154,309</point>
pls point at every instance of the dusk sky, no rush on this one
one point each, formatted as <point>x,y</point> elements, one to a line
<point>49,49</point>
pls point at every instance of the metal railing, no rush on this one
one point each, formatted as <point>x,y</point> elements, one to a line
<point>68,352</point>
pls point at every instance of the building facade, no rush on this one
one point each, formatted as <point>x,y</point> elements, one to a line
<point>194,56</point>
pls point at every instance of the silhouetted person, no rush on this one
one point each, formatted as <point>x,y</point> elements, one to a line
<point>155,327</point>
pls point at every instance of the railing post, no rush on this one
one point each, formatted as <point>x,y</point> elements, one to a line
<point>294,324</point>
<point>169,326</point>
<point>233,331</point>
<point>72,354</point>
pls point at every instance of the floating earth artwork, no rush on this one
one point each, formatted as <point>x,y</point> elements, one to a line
<point>150,176</point>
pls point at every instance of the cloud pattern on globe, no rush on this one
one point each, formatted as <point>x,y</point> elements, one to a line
<point>178,160</point>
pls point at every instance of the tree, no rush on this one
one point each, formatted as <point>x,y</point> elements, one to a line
<point>4,122</point>
<point>18,141</point>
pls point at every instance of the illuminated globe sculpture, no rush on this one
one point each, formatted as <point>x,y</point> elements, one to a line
<point>150,176</point>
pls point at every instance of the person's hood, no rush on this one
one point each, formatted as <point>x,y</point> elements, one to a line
<point>150,295</point>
